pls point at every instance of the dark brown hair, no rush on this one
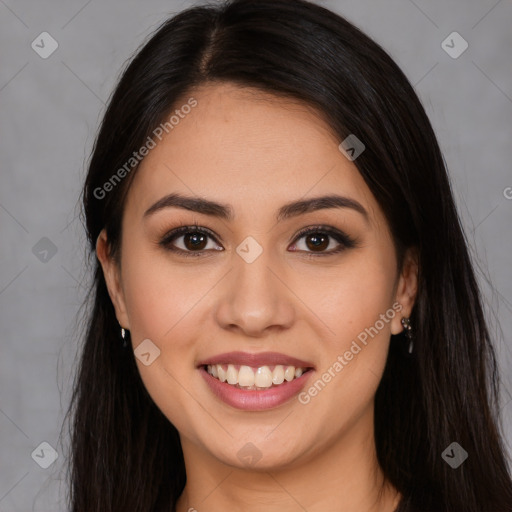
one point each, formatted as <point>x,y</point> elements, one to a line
<point>125,454</point>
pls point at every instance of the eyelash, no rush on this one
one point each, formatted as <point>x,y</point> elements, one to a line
<point>345,241</point>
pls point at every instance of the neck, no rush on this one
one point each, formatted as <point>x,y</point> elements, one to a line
<point>341,474</point>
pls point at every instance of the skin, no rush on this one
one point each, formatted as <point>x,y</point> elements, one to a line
<point>257,152</point>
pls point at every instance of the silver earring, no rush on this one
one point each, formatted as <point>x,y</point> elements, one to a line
<point>124,336</point>
<point>406,324</point>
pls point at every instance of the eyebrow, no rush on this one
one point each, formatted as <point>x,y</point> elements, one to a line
<point>225,212</point>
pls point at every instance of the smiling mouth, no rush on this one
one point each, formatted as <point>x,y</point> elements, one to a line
<point>255,378</point>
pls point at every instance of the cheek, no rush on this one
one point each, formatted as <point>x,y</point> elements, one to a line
<point>348,297</point>
<point>164,300</point>
<point>161,303</point>
<point>354,355</point>
<point>158,294</point>
<point>351,301</point>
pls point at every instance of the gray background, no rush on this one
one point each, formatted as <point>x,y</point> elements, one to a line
<point>50,112</point>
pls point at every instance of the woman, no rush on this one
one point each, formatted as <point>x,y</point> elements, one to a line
<point>285,313</point>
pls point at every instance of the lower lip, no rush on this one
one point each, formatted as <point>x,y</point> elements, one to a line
<point>254,400</point>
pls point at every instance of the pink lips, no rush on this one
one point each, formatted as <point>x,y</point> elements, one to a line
<point>256,400</point>
<point>256,360</point>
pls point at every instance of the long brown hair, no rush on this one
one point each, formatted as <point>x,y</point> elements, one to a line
<point>125,454</point>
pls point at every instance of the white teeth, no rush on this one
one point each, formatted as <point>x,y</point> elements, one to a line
<point>245,376</point>
<point>254,378</point>
<point>263,377</point>
<point>221,372</point>
<point>289,373</point>
<point>278,375</point>
<point>232,375</point>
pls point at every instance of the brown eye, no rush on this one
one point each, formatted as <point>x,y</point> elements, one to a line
<point>317,241</point>
<point>195,241</point>
<point>319,238</point>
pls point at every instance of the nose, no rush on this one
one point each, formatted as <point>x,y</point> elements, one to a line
<point>255,298</point>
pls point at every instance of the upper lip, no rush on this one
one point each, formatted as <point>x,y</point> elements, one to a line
<point>256,360</point>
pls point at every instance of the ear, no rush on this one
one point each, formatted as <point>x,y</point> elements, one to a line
<point>406,290</point>
<point>111,273</point>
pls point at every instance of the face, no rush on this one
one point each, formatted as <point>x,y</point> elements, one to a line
<point>250,281</point>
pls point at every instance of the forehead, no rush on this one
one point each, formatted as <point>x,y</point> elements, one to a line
<point>247,148</point>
